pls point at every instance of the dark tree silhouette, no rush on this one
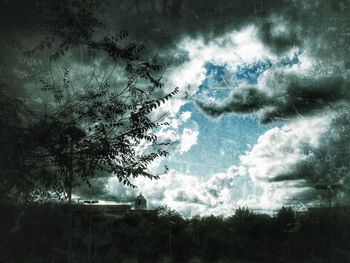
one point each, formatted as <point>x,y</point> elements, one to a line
<point>98,128</point>
<point>84,131</point>
<point>15,173</point>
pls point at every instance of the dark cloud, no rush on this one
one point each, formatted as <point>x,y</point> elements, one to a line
<point>302,96</point>
<point>304,198</point>
<point>293,96</point>
<point>161,24</point>
<point>287,95</point>
<point>182,196</point>
<point>326,164</point>
<point>330,163</point>
<point>278,41</point>
<point>246,100</point>
<point>97,190</point>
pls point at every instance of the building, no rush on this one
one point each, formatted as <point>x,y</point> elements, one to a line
<point>140,203</point>
<point>119,210</point>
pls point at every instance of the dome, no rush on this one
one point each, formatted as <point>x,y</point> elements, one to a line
<point>140,197</point>
<point>140,202</point>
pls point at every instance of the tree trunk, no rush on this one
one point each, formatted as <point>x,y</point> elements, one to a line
<point>70,186</point>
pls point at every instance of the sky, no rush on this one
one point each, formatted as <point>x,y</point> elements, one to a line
<point>263,113</point>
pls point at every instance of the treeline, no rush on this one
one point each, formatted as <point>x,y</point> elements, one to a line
<point>40,234</point>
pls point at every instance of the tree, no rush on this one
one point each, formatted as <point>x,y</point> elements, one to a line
<point>285,218</point>
<point>95,129</point>
<point>15,173</point>
<point>99,128</point>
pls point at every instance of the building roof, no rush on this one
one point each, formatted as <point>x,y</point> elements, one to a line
<point>141,197</point>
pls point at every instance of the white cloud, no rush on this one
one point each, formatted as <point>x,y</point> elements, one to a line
<point>246,184</point>
<point>188,194</point>
<point>185,116</point>
<point>232,49</point>
<point>276,154</point>
<point>187,140</point>
<point>280,148</point>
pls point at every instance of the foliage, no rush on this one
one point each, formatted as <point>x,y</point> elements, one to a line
<point>100,128</point>
<point>39,232</point>
<point>15,172</point>
<point>285,218</point>
<point>84,131</point>
<point>64,24</point>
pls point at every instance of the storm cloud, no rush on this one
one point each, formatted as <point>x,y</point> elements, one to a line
<point>282,96</point>
<point>246,100</point>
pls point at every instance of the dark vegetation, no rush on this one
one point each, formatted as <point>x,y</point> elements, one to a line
<point>79,131</point>
<point>39,234</point>
<point>70,132</point>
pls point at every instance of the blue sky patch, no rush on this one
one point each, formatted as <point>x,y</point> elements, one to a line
<point>222,141</point>
<point>251,72</point>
